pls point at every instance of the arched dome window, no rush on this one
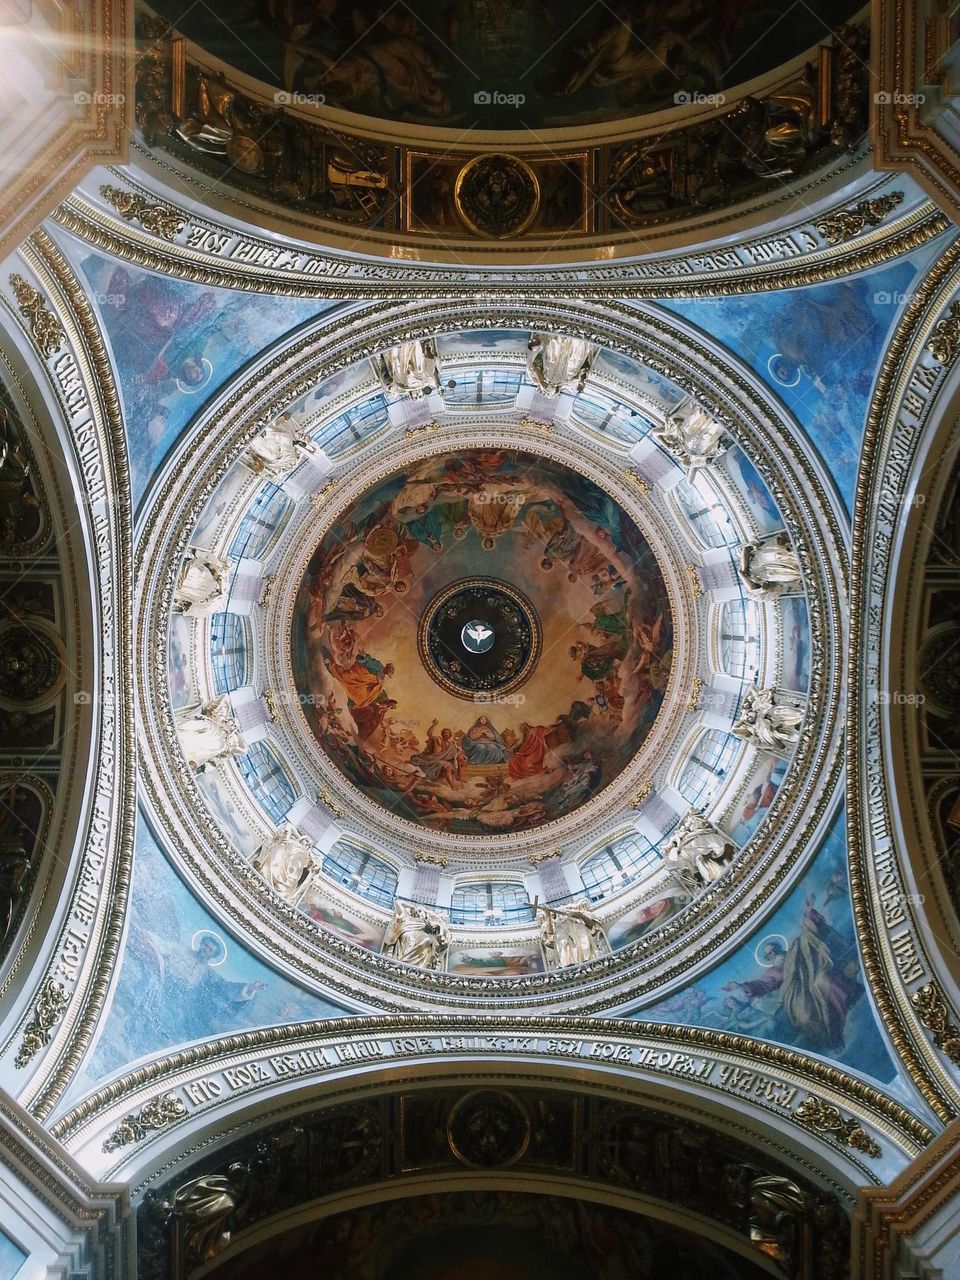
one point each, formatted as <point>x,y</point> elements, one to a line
<point>617,865</point>
<point>490,902</point>
<point>362,872</point>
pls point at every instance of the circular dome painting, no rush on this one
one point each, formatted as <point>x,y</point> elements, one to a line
<point>481,644</point>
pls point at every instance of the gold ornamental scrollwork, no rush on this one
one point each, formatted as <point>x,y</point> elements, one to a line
<point>160,219</point>
<point>827,1120</point>
<point>46,329</point>
<point>847,223</point>
<point>47,1012</point>
<point>934,1012</point>
<point>944,343</point>
<point>158,1113</point>
<point>430,859</point>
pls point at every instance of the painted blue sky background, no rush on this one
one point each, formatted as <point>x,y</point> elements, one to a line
<point>175,344</point>
<point>798,981</point>
<point>166,995</point>
<point>818,348</point>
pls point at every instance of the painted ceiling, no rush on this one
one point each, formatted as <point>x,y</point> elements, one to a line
<point>486,64</point>
<point>484,653</point>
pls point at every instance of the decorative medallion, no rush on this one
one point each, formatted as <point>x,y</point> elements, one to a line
<point>479,636</point>
<point>497,195</point>
<point>488,1129</point>
<point>30,665</point>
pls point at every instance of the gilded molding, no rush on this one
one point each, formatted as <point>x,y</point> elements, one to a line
<point>118,864</point>
<point>672,1045</point>
<point>826,1119</point>
<point>431,859</point>
<point>333,276</point>
<point>944,343</point>
<point>885,985</point>
<point>47,331</point>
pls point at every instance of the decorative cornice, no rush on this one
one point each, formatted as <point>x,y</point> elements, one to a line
<point>216,254</point>
<point>742,1068</point>
<point>874,492</point>
<point>115,863</point>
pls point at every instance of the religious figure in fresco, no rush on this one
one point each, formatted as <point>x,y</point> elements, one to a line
<point>209,733</point>
<point>483,744</point>
<point>570,935</point>
<point>768,723</point>
<point>164,330</point>
<point>769,569</point>
<point>181,994</point>
<point>815,982</point>
<point>367,700</point>
<point>203,583</point>
<point>408,369</point>
<point>557,363</point>
<point>416,935</point>
<point>285,861</point>
<point>614,56</point>
<point>693,436</point>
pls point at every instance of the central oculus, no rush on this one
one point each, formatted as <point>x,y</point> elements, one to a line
<point>479,636</point>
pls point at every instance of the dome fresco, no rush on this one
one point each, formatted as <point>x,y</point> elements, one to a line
<point>478,619</point>
<point>490,64</point>
<point>501,757</point>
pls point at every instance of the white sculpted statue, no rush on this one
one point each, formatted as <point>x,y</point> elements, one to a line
<point>284,860</point>
<point>277,449</point>
<point>570,935</point>
<point>410,368</point>
<point>556,363</point>
<point>775,726</point>
<point>202,586</point>
<point>209,733</point>
<point>770,569</point>
<point>692,436</point>
<point>700,853</point>
<point>416,935</point>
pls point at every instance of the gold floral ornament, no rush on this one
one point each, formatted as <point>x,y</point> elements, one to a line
<point>931,1006</point>
<point>159,219</point>
<point>156,1114</point>
<point>47,1012</point>
<point>824,1118</point>
<point>847,223</point>
<point>47,331</point>
<point>944,343</point>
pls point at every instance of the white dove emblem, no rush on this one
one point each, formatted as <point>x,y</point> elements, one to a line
<point>478,632</point>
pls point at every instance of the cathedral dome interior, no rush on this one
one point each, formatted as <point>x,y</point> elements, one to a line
<point>479,609</point>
